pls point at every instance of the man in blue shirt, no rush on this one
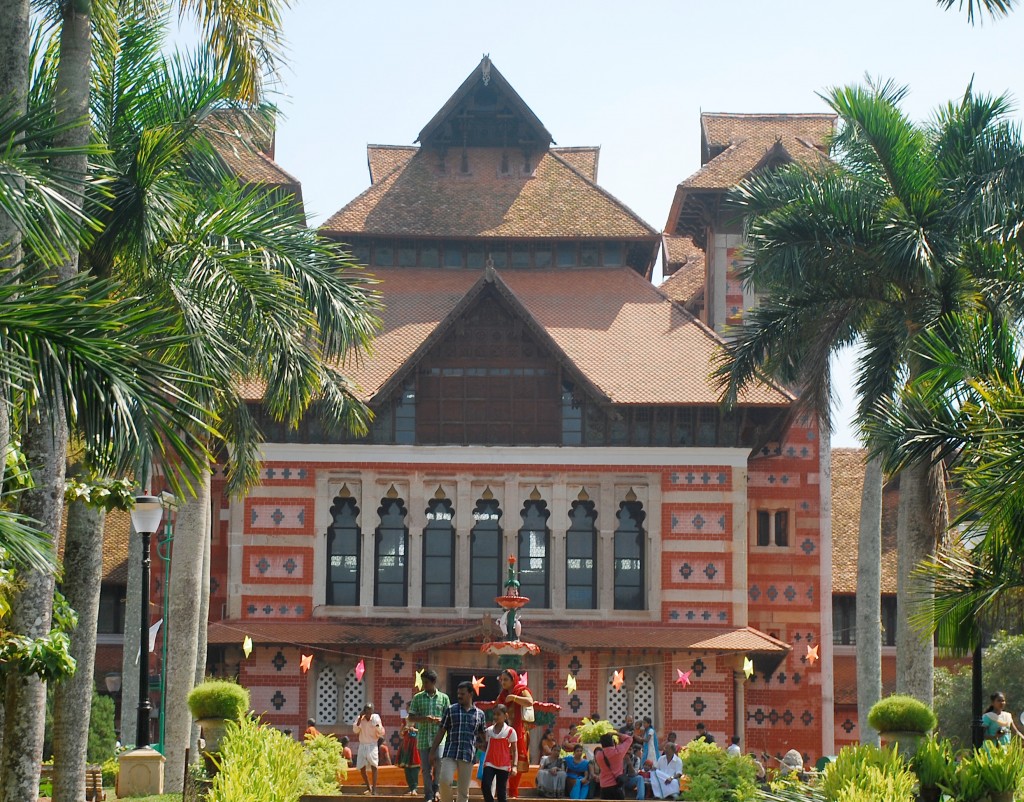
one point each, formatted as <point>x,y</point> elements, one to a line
<point>460,723</point>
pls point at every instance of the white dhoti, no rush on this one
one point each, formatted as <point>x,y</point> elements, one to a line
<point>664,785</point>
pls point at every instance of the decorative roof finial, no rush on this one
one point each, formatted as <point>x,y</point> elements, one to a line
<point>485,68</point>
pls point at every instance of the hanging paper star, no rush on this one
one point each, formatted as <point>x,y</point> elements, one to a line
<point>478,685</point>
<point>305,661</point>
<point>418,684</point>
<point>618,679</point>
<point>683,677</point>
<point>748,667</point>
<point>524,678</point>
<point>360,670</point>
<point>812,654</point>
<point>247,647</point>
<point>570,683</point>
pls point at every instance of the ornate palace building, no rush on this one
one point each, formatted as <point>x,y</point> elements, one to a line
<point>536,395</point>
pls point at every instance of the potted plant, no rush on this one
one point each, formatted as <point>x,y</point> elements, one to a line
<point>213,703</point>
<point>995,771</point>
<point>589,732</point>
<point>902,721</point>
<point>933,764</point>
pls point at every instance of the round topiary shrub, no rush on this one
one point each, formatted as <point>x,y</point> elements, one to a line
<point>218,698</point>
<point>900,713</point>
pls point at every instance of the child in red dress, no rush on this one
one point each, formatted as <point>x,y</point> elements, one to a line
<point>500,755</point>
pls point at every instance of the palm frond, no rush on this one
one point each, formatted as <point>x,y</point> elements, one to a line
<point>977,9</point>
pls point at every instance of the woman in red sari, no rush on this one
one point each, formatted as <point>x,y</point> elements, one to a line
<point>516,697</point>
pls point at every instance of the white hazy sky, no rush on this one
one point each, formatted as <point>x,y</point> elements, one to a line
<point>630,77</point>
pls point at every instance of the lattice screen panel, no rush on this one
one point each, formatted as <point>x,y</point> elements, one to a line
<point>327,696</point>
<point>355,697</point>
<point>643,697</point>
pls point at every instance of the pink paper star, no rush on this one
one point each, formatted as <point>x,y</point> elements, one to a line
<point>812,654</point>
<point>524,678</point>
<point>683,677</point>
<point>478,685</point>
<point>305,661</point>
<point>360,670</point>
<point>618,679</point>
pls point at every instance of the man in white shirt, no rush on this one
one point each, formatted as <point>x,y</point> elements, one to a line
<point>666,773</point>
<point>369,728</point>
<point>733,749</point>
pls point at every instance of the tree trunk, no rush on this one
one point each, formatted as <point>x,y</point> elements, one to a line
<point>186,590</point>
<point>915,540</point>
<point>45,445</point>
<point>869,599</point>
<point>204,623</point>
<point>72,698</point>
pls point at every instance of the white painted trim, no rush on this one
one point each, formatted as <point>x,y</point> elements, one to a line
<point>504,455</point>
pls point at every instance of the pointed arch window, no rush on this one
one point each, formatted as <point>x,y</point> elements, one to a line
<point>534,546</point>
<point>581,557</point>
<point>485,552</point>
<point>629,556</point>
<point>439,555</point>
<point>391,544</point>
<point>343,538</point>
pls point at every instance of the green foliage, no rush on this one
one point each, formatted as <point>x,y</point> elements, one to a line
<point>321,763</point>
<point>106,494</point>
<point>102,735</point>
<point>1001,671</point>
<point>111,768</point>
<point>877,785</point>
<point>901,713</point>
<point>851,767</point>
<point>48,656</point>
<point>995,769</point>
<point>715,776</point>
<point>590,731</point>
<point>933,762</point>
<point>257,761</point>
<point>218,698</point>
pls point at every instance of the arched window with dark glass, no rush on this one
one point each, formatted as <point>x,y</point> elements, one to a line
<point>485,554</point>
<point>343,538</point>
<point>581,557</point>
<point>439,555</point>
<point>629,556</point>
<point>391,542</point>
<point>534,545</point>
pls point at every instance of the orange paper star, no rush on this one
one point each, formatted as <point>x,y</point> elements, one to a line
<point>305,661</point>
<point>618,678</point>
<point>812,654</point>
<point>683,677</point>
<point>478,685</point>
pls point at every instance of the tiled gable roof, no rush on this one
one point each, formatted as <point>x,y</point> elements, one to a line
<point>420,199</point>
<point>745,156</point>
<point>583,159</point>
<point>684,266</point>
<point>628,340</point>
<point>383,159</point>
<point>719,130</point>
<point>848,465</point>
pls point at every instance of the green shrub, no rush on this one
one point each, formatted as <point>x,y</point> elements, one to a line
<point>900,713</point>
<point>589,731</point>
<point>852,765</point>
<point>257,761</point>
<point>102,742</point>
<point>218,698</point>
<point>877,785</point>
<point>110,769</point>
<point>933,762</point>
<point>995,769</point>
<point>321,763</point>
<point>714,776</point>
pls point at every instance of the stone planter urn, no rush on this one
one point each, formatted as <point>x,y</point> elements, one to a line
<point>905,740</point>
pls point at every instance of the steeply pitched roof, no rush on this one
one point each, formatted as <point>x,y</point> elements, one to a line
<point>418,198</point>
<point>848,465</point>
<point>583,159</point>
<point>628,342</point>
<point>383,159</point>
<point>733,146</point>
<point>684,265</point>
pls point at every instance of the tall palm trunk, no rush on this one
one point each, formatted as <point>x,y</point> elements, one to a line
<point>132,641</point>
<point>191,536</point>
<point>204,620</point>
<point>45,445</point>
<point>72,698</point>
<point>869,598</point>
<point>915,540</point>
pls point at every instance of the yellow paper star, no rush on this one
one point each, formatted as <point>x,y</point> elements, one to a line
<point>748,667</point>
<point>812,654</point>
<point>305,661</point>
<point>247,647</point>
<point>618,678</point>
<point>418,684</point>
<point>570,683</point>
<point>478,685</point>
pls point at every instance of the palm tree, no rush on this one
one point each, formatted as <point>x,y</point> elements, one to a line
<point>976,9</point>
<point>879,248</point>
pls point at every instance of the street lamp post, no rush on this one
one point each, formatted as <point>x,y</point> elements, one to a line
<point>146,515</point>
